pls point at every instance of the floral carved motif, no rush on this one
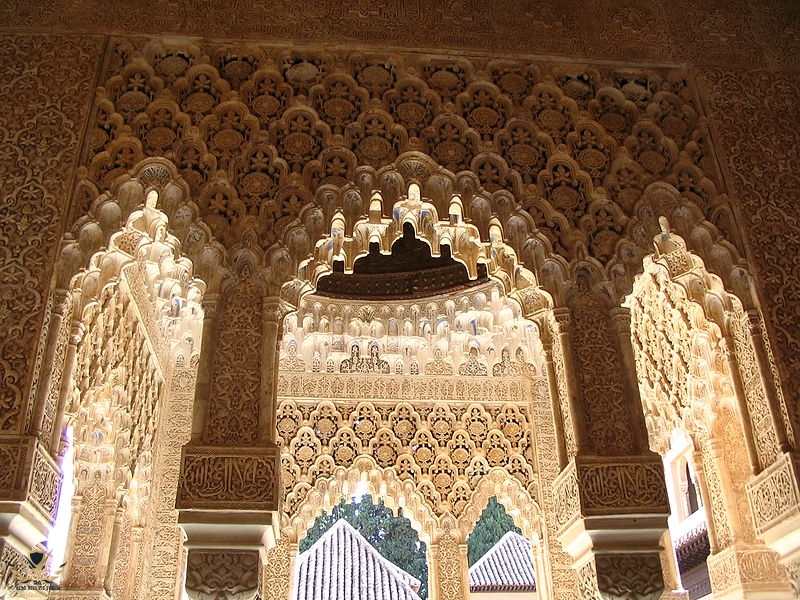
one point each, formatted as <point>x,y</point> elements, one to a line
<point>445,448</point>
<point>763,167</point>
<point>45,483</point>
<point>236,388</point>
<point>450,569</point>
<point>222,575</point>
<point>277,571</point>
<point>45,90</point>
<point>629,575</point>
<point>599,369</point>
<point>16,454</point>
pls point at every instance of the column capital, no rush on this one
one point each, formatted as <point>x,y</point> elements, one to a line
<point>222,574</point>
<point>275,309</point>
<point>607,502</point>
<point>617,576</point>
<point>229,478</point>
<point>562,316</point>
<point>742,568</point>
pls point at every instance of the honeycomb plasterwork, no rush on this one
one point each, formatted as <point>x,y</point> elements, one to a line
<point>255,145</point>
<point>715,358</point>
<point>694,360</point>
<point>253,184</point>
<point>139,307</point>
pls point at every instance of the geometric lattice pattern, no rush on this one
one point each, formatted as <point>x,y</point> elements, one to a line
<point>444,447</point>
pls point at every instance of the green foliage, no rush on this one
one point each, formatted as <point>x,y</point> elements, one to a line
<point>392,536</point>
<point>494,523</point>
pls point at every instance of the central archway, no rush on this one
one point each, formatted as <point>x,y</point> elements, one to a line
<point>436,398</point>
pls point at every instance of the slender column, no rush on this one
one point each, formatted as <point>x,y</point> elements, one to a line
<point>449,575</point>
<point>87,560</point>
<point>64,394</point>
<point>278,568</point>
<point>116,532</point>
<point>610,501</point>
<point>49,363</point>
<point>705,493</point>
<point>205,368</point>
<point>229,489</point>
<point>744,413</point>
<point>723,494</point>
<point>552,384</point>
<point>270,356</point>
<point>562,317</point>
<point>767,381</point>
<point>621,320</point>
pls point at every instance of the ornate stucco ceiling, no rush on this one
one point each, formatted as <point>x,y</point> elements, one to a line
<point>706,32</point>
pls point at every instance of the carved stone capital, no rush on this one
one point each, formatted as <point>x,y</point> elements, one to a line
<point>748,571</point>
<point>601,500</point>
<point>774,495</point>
<point>210,303</point>
<point>275,309</point>
<point>222,574</point>
<point>532,300</point>
<point>629,576</point>
<point>28,473</point>
<point>225,478</point>
<point>562,317</point>
<point>621,319</point>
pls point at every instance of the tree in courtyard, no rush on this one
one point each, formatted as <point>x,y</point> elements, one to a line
<point>392,536</point>
<point>494,523</point>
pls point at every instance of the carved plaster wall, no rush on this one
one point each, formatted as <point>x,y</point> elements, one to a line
<point>254,144</point>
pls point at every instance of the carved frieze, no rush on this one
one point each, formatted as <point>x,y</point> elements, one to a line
<point>774,495</point>
<point>591,487</point>
<point>243,478</point>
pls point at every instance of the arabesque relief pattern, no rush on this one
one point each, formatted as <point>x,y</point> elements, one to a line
<point>444,448</point>
<point>163,542</point>
<point>138,305</point>
<point>696,374</point>
<point>764,180</point>
<point>575,162</point>
<point>45,97</point>
<point>689,32</point>
<point>257,148</point>
<point>414,434</point>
